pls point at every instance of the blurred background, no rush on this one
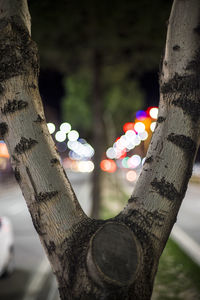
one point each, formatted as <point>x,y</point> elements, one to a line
<point>99,82</point>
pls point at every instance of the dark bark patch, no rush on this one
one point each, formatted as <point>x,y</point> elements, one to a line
<point>13,105</point>
<point>181,84</point>
<point>17,175</point>
<point>3,130</point>
<point>133,199</point>
<point>194,64</point>
<point>161,119</point>
<point>197,29</point>
<point>18,53</point>
<point>24,145</point>
<point>183,142</point>
<point>149,159</point>
<point>76,248</point>
<point>189,107</point>
<point>45,196</point>
<point>39,119</point>
<point>176,47</point>
<point>51,247</point>
<point>3,23</point>
<point>147,219</point>
<point>166,189</point>
<point>1,89</point>
<point>188,174</point>
<point>54,161</point>
<point>36,223</point>
<point>32,86</point>
<point>15,159</point>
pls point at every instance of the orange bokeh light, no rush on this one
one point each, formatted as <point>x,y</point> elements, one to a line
<point>108,165</point>
<point>4,150</point>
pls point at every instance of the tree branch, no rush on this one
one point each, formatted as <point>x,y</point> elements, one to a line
<point>45,186</point>
<point>163,182</point>
<point>16,9</point>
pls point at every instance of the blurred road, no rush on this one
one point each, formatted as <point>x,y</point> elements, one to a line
<point>189,214</point>
<point>31,266</point>
<point>32,271</point>
<point>186,232</point>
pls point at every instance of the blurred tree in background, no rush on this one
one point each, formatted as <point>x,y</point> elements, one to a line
<point>102,48</point>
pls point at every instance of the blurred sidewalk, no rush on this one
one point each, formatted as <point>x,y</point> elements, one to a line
<point>186,232</point>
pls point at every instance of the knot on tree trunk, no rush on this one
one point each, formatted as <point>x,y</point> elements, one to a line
<point>105,258</point>
<point>114,255</point>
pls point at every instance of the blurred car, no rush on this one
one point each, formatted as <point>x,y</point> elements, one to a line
<point>6,247</point>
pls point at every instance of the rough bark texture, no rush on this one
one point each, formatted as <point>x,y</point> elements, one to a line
<point>73,242</point>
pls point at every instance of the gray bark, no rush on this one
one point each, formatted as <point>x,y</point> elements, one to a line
<point>94,259</point>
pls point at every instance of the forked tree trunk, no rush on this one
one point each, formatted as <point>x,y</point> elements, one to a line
<point>117,258</point>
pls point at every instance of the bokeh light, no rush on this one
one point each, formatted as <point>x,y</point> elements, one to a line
<point>143,135</point>
<point>73,135</point>
<point>141,115</point>
<point>85,166</point>
<point>125,162</point>
<point>131,176</point>
<point>51,127</point>
<point>139,127</point>
<point>128,126</point>
<point>110,153</point>
<point>62,147</point>
<point>153,112</point>
<point>4,150</point>
<point>153,126</point>
<point>65,127</point>
<point>134,161</point>
<point>108,165</point>
<point>60,136</point>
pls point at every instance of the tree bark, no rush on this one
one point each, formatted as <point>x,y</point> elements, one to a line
<point>117,258</point>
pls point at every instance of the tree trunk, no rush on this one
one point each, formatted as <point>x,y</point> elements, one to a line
<point>98,136</point>
<point>117,258</point>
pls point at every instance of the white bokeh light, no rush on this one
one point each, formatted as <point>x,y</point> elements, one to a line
<point>110,153</point>
<point>130,146</point>
<point>88,150</point>
<point>153,112</point>
<point>73,135</point>
<point>51,127</point>
<point>137,140</point>
<point>139,127</point>
<point>65,127</point>
<point>130,135</point>
<point>134,161</point>
<point>86,166</point>
<point>153,126</point>
<point>143,135</point>
<point>60,136</point>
